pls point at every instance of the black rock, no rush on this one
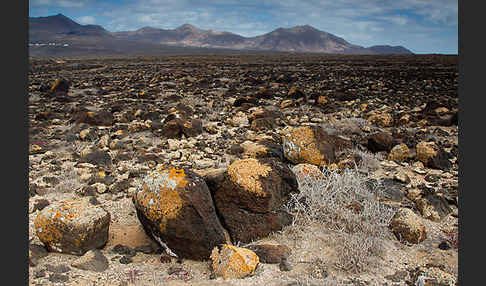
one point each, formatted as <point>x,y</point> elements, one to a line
<point>444,245</point>
<point>124,250</point>
<point>125,260</point>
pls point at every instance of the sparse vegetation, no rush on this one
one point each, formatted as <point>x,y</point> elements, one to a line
<point>340,201</point>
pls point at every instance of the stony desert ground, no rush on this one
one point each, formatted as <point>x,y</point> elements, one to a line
<point>107,122</point>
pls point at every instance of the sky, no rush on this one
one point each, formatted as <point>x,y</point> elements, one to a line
<point>422,26</point>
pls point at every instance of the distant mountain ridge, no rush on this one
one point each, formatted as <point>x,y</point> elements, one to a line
<point>300,39</point>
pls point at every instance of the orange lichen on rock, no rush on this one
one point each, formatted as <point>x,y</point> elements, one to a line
<point>300,146</point>
<point>233,262</point>
<point>304,170</point>
<point>383,119</point>
<point>246,173</point>
<point>64,226</point>
<point>159,194</point>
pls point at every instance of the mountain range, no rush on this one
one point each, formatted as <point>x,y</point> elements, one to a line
<point>73,38</point>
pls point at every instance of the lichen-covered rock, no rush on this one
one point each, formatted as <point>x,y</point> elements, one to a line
<point>381,119</point>
<point>311,144</point>
<point>233,262</point>
<point>425,151</point>
<point>433,156</point>
<point>73,226</point>
<point>399,153</point>
<point>250,197</point>
<point>304,171</point>
<point>176,209</point>
<point>408,226</point>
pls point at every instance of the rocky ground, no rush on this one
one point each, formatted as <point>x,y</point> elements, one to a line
<point>113,119</point>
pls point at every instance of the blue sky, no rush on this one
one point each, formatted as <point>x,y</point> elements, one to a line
<point>423,26</point>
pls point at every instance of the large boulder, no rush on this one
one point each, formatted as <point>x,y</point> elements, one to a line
<point>72,226</point>
<point>251,195</point>
<point>230,261</point>
<point>176,209</point>
<point>311,144</point>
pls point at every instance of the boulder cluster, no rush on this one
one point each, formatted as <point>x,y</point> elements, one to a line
<point>207,160</point>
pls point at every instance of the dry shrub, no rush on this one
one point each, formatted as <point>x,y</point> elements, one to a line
<point>70,182</point>
<point>341,201</point>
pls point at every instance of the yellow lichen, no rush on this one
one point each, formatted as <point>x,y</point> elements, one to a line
<point>246,173</point>
<point>233,262</point>
<point>159,195</point>
<point>300,146</point>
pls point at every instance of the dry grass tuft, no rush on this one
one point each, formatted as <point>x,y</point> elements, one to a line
<point>341,202</point>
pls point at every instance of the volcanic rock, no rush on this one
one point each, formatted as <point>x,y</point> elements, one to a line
<point>233,262</point>
<point>433,156</point>
<point>250,198</point>
<point>270,253</point>
<point>93,260</point>
<point>408,226</point>
<point>399,153</point>
<point>381,141</point>
<point>176,209</point>
<point>73,226</point>
<point>311,144</point>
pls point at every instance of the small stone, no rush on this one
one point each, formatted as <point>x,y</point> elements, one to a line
<point>399,153</point>
<point>93,260</point>
<point>40,204</point>
<point>124,250</point>
<point>233,262</point>
<point>401,176</point>
<point>125,260</point>
<point>286,103</point>
<point>58,278</point>
<point>444,245</point>
<point>270,253</point>
<point>285,265</point>
<point>408,226</point>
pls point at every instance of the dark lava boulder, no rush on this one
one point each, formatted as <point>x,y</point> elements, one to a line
<point>175,208</point>
<point>251,196</point>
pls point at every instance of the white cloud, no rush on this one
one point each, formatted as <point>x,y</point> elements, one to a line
<point>86,20</point>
